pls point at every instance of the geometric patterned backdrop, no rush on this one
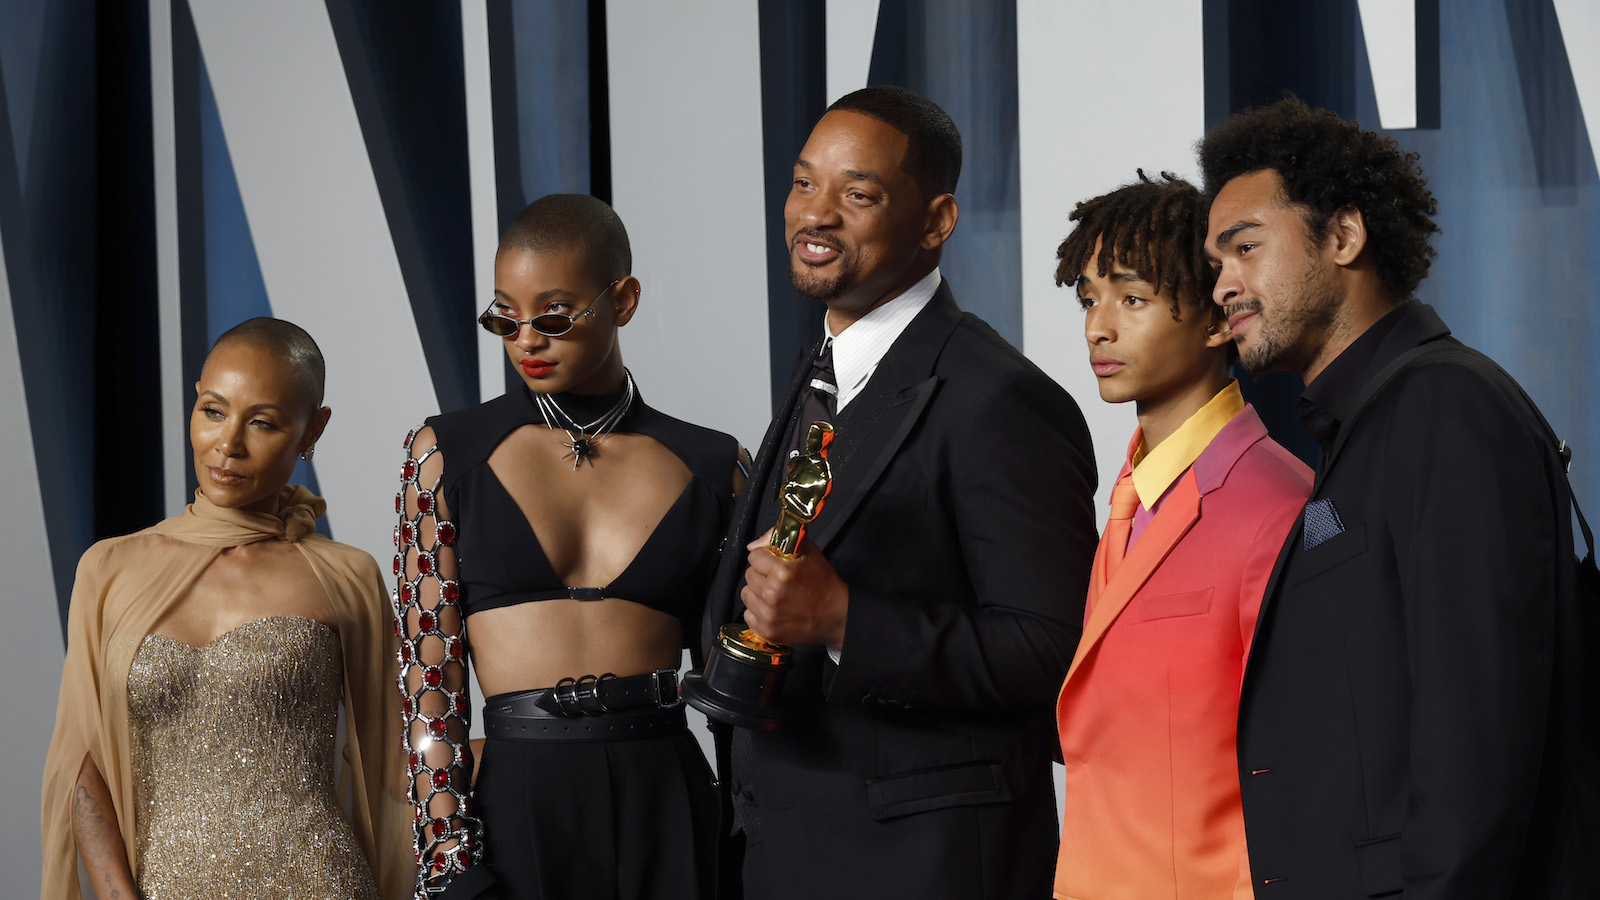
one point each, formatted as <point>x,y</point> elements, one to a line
<point>170,167</point>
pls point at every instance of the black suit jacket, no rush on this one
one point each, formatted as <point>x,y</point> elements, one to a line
<point>961,518</point>
<point>1418,707</point>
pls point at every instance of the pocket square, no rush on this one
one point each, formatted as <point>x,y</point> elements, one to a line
<point>1321,522</point>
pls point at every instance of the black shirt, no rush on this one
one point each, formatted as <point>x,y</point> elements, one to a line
<point>1326,401</point>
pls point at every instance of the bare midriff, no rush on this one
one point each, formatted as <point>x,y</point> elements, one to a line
<point>535,645</point>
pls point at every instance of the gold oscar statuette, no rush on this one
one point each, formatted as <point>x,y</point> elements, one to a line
<point>743,676</point>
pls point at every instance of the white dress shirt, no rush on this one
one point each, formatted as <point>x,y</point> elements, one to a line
<point>857,352</point>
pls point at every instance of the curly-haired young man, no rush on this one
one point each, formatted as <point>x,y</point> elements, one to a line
<point>1417,712</point>
<point>1147,711</point>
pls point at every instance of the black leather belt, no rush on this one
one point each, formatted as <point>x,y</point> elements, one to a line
<point>590,708</point>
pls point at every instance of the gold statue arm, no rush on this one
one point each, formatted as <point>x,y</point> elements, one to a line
<point>810,478</point>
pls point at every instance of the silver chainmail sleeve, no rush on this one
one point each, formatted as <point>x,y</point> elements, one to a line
<point>433,670</point>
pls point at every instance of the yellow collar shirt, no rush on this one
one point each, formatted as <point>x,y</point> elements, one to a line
<point>1155,470</point>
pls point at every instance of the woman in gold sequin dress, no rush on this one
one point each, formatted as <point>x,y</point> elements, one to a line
<point>207,657</point>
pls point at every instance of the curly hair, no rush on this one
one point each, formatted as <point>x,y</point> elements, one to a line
<point>1156,228</point>
<point>1327,164</point>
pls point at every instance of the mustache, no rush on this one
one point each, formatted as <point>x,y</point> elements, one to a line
<point>821,237</point>
<point>1233,309</point>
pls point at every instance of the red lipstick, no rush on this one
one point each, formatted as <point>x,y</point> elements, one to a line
<point>536,368</point>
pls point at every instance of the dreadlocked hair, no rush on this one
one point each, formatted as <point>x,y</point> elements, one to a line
<point>1157,229</point>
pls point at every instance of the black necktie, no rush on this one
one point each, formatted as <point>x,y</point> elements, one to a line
<point>819,400</point>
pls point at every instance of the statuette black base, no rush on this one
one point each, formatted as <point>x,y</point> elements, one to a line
<point>742,682</point>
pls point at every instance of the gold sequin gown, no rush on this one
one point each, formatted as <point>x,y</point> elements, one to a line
<point>233,747</point>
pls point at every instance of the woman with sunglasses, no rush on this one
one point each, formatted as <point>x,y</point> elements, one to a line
<point>207,657</point>
<point>561,537</point>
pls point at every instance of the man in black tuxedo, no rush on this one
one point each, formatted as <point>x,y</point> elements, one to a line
<point>1418,710</point>
<point>937,600</point>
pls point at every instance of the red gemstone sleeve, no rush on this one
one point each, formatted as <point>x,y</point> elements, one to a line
<point>433,668</point>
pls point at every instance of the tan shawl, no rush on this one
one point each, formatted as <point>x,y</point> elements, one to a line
<point>124,585</point>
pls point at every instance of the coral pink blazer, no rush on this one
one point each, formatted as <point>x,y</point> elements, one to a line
<point>1148,711</point>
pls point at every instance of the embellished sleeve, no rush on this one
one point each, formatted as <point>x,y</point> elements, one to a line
<point>433,680</point>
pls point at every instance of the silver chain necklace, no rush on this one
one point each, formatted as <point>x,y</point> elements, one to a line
<point>583,448</point>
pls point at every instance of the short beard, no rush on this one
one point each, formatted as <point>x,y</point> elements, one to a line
<point>1315,308</point>
<point>1268,351</point>
<point>812,286</point>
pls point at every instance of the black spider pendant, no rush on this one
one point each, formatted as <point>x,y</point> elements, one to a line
<point>583,450</point>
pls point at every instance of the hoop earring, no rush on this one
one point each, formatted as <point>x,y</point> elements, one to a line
<point>308,452</point>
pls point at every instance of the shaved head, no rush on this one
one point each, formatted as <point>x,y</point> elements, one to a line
<point>288,342</point>
<point>573,222</point>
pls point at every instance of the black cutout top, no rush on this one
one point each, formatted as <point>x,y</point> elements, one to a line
<point>501,562</point>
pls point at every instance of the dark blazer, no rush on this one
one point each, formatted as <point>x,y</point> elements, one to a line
<point>1417,716</point>
<point>961,518</point>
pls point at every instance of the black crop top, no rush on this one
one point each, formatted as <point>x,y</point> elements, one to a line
<point>500,560</point>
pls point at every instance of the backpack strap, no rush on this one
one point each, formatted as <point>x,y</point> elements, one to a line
<point>1374,387</point>
<point>1433,348</point>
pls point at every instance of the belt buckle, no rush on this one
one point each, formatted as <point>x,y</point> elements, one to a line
<point>666,681</point>
<point>581,696</point>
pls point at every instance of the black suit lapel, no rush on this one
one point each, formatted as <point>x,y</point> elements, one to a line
<point>880,418</point>
<point>876,423</point>
<point>873,426</point>
<point>1420,325</point>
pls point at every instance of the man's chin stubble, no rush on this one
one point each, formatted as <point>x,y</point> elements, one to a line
<point>812,288</point>
<point>1265,356</point>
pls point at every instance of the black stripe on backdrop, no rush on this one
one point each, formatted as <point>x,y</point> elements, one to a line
<point>189,164</point>
<point>794,52</point>
<point>549,84</point>
<point>78,226</point>
<point>404,67</point>
<point>599,104</point>
<point>550,104</point>
<point>503,90</point>
<point>128,395</point>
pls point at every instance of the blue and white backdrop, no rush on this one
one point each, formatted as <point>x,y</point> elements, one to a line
<point>170,167</point>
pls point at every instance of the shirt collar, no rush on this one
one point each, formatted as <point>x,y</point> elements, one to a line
<point>1327,402</point>
<point>857,352</point>
<point>1155,470</point>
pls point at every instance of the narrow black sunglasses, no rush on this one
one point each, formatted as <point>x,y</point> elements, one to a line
<point>547,324</point>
